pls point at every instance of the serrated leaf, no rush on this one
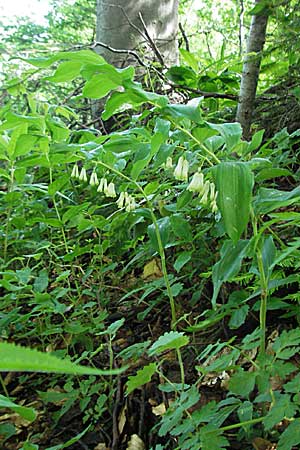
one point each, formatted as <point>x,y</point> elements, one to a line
<point>14,358</point>
<point>142,376</point>
<point>168,341</point>
<point>212,439</point>
<point>282,408</point>
<point>290,437</point>
<point>293,385</point>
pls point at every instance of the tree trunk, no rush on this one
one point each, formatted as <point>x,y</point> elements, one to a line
<point>251,66</point>
<point>146,26</point>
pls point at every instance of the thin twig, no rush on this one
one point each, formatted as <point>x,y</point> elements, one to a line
<point>185,38</point>
<point>116,435</point>
<point>204,93</point>
<point>151,42</point>
<point>118,50</point>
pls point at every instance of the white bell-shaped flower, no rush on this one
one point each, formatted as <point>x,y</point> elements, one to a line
<point>182,169</point>
<point>75,171</point>
<point>94,179</point>
<point>197,183</point>
<point>205,192</point>
<point>110,190</point>
<point>121,200</point>
<point>83,175</point>
<point>169,163</point>
<point>102,185</point>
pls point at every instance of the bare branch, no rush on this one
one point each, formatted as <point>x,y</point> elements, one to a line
<point>185,38</point>
<point>151,42</point>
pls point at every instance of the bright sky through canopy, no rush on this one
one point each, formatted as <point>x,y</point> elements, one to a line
<point>35,9</point>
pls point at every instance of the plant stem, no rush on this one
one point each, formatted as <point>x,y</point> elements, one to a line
<point>239,425</point>
<point>264,292</point>
<point>202,146</point>
<point>4,387</point>
<point>159,241</point>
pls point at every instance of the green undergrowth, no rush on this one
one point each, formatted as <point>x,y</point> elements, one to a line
<point>169,242</point>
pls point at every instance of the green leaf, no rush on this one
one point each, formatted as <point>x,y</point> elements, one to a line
<point>88,56</point>
<point>142,376</point>
<point>282,408</point>
<point>263,8</point>
<point>238,317</point>
<point>274,172</point>
<point>138,95</point>
<point>269,199</point>
<point>182,260</point>
<point>189,111</point>
<point>27,413</point>
<point>242,383</point>
<point>190,59</point>
<point>230,132</point>
<point>181,227</point>
<point>212,439</point>
<point>256,141</point>
<point>290,437</point>
<point>15,358</point>
<point>234,182</point>
<point>66,71</point>
<point>29,446</point>
<point>293,385</point>
<point>168,341</point>
<point>24,144</point>
<point>268,252</point>
<point>70,441</point>
<point>229,265</point>
<point>99,86</point>
<point>184,198</point>
<point>41,282</point>
<point>164,231</point>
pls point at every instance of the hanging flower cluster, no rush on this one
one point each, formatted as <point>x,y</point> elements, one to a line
<point>181,171</point>
<point>206,190</point>
<point>127,201</point>
<point>108,189</point>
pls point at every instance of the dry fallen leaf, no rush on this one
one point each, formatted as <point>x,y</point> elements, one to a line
<point>122,420</point>
<point>152,270</point>
<point>101,447</point>
<point>135,443</point>
<point>262,444</point>
<point>159,410</point>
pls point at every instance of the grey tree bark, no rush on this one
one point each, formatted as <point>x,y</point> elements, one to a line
<point>251,67</point>
<point>146,26</point>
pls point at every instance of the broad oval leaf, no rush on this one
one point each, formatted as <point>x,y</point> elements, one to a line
<point>234,181</point>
